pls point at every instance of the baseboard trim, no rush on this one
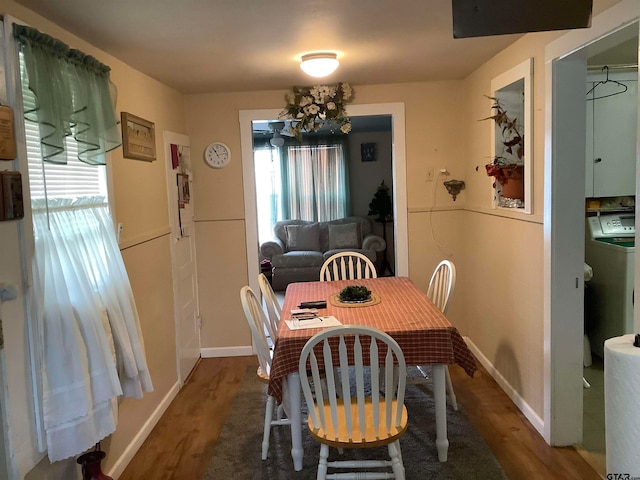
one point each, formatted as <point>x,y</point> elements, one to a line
<point>515,397</point>
<point>137,441</point>
<point>214,352</point>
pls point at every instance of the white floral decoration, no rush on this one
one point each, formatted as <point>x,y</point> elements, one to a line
<point>311,107</point>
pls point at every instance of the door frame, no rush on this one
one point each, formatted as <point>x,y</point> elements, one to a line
<point>399,170</point>
<point>172,199</point>
<point>563,230</point>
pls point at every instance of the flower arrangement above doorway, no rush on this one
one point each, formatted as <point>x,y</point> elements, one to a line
<point>309,108</point>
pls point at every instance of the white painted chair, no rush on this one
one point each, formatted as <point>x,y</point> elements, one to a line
<point>362,419</point>
<point>257,319</point>
<point>441,286</point>
<point>274,311</point>
<point>347,266</point>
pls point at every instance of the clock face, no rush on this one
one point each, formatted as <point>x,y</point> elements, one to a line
<point>217,155</point>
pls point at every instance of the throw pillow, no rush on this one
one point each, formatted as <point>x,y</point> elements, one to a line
<point>346,235</point>
<point>303,237</point>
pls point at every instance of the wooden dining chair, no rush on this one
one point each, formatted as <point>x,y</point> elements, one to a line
<point>274,311</point>
<point>347,266</point>
<point>363,418</point>
<point>257,319</point>
<point>441,286</point>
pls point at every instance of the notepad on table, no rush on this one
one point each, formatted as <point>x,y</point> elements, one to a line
<point>317,322</point>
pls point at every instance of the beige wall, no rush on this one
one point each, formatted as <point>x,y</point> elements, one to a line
<point>432,111</point>
<point>504,318</point>
<point>141,205</point>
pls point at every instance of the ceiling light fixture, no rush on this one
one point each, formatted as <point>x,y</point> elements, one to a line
<point>276,140</point>
<point>319,64</point>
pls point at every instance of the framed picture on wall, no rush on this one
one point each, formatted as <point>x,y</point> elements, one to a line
<point>368,152</point>
<point>138,138</point>
<point>184,196</point>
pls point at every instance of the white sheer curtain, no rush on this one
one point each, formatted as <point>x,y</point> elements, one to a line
<point>90,335</point>
<point>316,182</point>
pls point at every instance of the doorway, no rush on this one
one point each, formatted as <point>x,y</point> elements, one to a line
<point>564,218</point>
<point>400,235</point>
<point>325,177</point>
<point>612,111</point>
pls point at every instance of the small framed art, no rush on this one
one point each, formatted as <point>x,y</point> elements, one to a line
<point>184,196</point>
<point>138,138</point>
<point>368,152</point>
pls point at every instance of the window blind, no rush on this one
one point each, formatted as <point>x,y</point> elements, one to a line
<point>73,180</point>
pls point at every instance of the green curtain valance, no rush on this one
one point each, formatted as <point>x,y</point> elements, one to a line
<point>74,96</point>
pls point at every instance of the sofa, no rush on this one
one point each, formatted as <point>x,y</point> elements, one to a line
<point>300,247</point>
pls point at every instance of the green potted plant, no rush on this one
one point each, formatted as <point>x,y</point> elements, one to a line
<point>355,294</point>
<point>508,166</point>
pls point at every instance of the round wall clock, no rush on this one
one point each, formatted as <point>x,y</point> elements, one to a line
<point>217,155</point>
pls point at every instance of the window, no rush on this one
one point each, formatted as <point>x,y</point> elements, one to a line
<point>305,182</point>
<point>315,182</point>
<point>62,181</point>
<point>268,190</point>
<point>85,328</point>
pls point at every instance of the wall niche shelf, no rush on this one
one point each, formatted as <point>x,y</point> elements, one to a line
<point>513,90</point>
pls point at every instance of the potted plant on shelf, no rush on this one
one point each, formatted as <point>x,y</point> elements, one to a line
<point>508,165</point>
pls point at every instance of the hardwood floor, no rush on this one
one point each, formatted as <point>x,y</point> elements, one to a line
<point>182,443</point>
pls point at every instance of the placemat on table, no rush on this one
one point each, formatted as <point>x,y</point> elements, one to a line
<point>335,301</point>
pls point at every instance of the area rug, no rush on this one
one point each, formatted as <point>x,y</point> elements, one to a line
<point>237,452</point>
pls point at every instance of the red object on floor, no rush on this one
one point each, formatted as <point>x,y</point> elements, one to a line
<point>91,469</point>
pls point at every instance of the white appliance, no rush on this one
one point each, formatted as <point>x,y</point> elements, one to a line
<point>609,250</point>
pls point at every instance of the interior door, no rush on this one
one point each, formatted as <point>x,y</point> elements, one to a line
<point>183,252</point>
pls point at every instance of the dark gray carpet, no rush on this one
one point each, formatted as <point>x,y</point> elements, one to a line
<point>237,453</point>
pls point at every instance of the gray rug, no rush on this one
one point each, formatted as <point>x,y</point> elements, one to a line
<point>237,452</point>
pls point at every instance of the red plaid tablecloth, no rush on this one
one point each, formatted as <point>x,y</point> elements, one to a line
<point>405,312</point>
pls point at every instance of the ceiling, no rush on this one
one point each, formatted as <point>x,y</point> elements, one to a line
<point>199,46</point>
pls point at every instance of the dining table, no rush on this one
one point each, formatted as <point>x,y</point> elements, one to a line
<point>397,307</point>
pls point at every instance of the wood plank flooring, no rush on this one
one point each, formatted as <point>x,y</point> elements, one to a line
<point>182,443</point>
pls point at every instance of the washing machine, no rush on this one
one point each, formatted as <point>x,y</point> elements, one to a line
<point>609,250</point>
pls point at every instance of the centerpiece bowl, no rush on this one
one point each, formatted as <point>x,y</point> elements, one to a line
<point>355,294</point>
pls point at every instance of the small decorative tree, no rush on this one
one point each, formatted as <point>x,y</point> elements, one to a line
<point>381,204</point>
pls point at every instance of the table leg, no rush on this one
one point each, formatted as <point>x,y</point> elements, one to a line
<point>295,403</point>
<point>440,397</point>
